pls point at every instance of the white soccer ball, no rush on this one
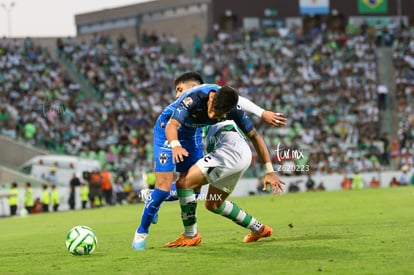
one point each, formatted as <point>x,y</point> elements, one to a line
<point>81,240</point>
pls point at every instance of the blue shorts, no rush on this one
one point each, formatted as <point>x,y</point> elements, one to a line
<point>163,157</point>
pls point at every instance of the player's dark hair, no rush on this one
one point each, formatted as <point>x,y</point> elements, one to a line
<point>226,98</point>
<point>188,76</point>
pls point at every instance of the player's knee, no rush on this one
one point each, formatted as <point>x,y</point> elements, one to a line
<point>180,182</point>
<point>164,183</point>
<point>185,183</point>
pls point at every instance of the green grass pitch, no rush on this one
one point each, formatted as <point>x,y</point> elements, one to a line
<point>340,232</point>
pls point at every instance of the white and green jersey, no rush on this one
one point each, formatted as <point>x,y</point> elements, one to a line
<point>228,156</point>
<point>221,132</point>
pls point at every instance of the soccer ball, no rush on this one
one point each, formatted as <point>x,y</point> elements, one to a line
<point>81,240</point>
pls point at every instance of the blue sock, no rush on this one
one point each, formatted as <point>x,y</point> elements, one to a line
<point>173,193</point>
<point>151,207</point>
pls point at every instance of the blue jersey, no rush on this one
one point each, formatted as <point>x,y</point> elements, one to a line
<point>191,111</point>
<point>190,138</point>
<point>184,132</point>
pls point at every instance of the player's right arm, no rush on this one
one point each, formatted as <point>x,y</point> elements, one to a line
<point>179,116</point>
<point>171,132</point>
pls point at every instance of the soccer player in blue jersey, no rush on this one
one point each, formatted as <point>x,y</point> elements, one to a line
<point>207,106</point>
<point>191,140</point>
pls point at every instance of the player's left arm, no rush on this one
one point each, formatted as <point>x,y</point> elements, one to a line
<point>261,149</point>
<point>246,125</point>
<point>274,119</point>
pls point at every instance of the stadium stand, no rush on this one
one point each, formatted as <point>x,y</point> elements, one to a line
<point>34,91</point>
<point>403,56</point>
<point>326,84</point>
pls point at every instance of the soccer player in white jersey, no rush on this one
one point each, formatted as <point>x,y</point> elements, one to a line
<point>209,109</point>
<point>228,157</point>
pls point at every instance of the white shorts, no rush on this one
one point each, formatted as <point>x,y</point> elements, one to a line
<point>224,166</point>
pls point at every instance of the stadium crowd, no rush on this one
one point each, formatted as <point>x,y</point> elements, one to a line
<point>403,57</point>
<point>325,83</point>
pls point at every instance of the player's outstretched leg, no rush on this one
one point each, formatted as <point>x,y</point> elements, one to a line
<point>188,204</point>
<point>151,207</point>
<point>144,193</point>
<point>236,214</point>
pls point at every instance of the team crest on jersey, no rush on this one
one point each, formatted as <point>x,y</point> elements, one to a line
<point>187,101</point>
<point>163,157</point>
